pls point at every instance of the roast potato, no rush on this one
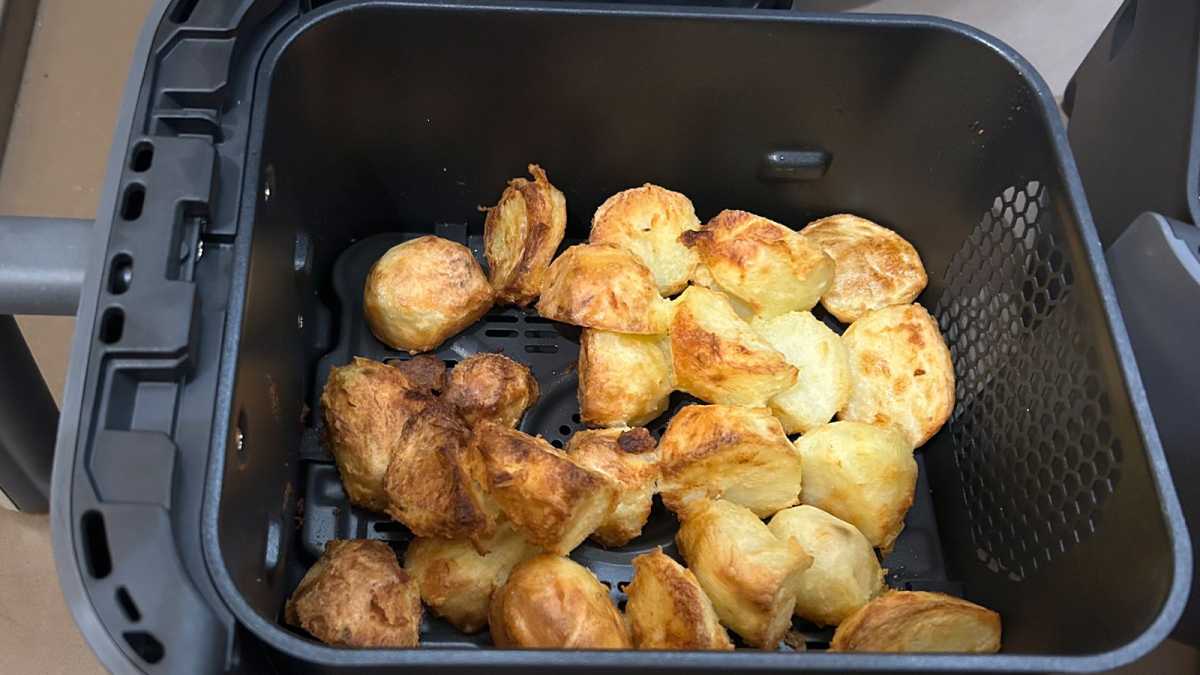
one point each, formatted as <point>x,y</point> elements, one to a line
<point>861,473</point>
<point>746,571</point>
<point>667,609</point>
<point>845,573</point>
<point>551,602</point>
<point>717,357</point>
<point>456,581</point>
<point>901,373</point>
<point>423,291</point>
<point>766,265</point>
<point>624,379</point>
<point>730,452</point>
<point>628,457</point>
<point>492,387</point>
<point>356,595</point>
<point>874,266</point>
<point>823,383</point>
<point>603,286</point>
<point>552,501</point>
<point>917,621</point>
<point>521,234</point>
<point>648,221</point>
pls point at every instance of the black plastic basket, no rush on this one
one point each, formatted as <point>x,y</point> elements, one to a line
<point>269,150</point>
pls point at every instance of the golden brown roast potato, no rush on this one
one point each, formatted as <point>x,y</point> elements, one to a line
<point>845,573</point>
<point>366,405</point>
<point>423,291</point>
<point>717,357</point>
<point>767,266</point>
<point>624,379</point>
<point>356,595</point>
<point>667,609</point>
<point>628,457</point>
<point>521,234</point>
<point>552,501</point>
<point>435,479</point>
<point>901,373</point>
<point>648,221</point>
<point>491,387</point>
<point>730,452</point>
<point>823,384</point>
<point>917,621</point>
<point>874,266</point>
<point>603,286</point>
<point>456,581</point>
<point>746,571</point>
<point>552,602</point>
<point>861,473</point>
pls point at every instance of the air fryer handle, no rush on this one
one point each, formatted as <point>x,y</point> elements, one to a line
<point>42,263</point>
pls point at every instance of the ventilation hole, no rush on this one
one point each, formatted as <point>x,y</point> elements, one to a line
<point>538,319</point>
<point>388,526</point>
<point>541,349</point>
<point>541,333</point>
<point>183,11</point>
<point>132,203</point>
<point>557,443</point>
<point>120,274</point>
<point>623,586</point>
<point>1123,29</point>
<point>564,430</point>
<point>128,607</point>
<point>501,318</point>
<point>576,418</point>
<point>112,324</point>
<point>142,157</point>
<point>607,584</point>
<point>500,332</point>
<point>450,363</point>
<point>95,545</point>
<point>145,645</point>
<point>621,605</point>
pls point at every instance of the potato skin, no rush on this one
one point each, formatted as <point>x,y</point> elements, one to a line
<point>356,595</point>
<point>491,386</point>
<point>744,569</point>
<point>520,235</point>
<point>861,473</point>
<point>624,379</point>
<point>718,358</point>
<point>667,609</point>
<point>874,266</point>
<point>732,453</point>
<point>917,621</point>
<point>423,291</point>
<point>552,602</point>
<point>845,573</point>
<point>606,287</point>
<point>823,363</point>
<point>766,265</point>
<point>627,456</point>
<point>901,372</point>
<point>647,221</point>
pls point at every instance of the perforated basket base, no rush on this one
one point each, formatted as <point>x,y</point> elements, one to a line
<point>550,350</point>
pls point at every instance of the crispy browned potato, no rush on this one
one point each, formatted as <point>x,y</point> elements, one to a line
<point>845,573</point>
<point>552,501</point>
<point>746,571</point>
<point>917,621</point>
<point>667,609</point>
<point>521,234</point>
<point>648,221</point>
<point>730,452</point>
<point>861,473</point>
<point>356,595</point>
<point>456,581</point>
<point>823,384</point>
<point>874,266</point>
<point>606,287</point>
<point>628,457</point>
<point>366,405</point>
<point>552,602</point>
<point>435,479</point>
<point>624,379</point>
<point>423,291</point>
<point>492,387</point>
<point>767,266</point>
<point>717,357</point>
<point>901,373</point>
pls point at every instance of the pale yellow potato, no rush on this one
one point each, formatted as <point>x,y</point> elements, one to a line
<point>917,621</point>
<point>627,456</point>
<point>648,221</point>
<point>624,379</point>
<point>521,234</point>
<point>667,609</point>
<point>823,383</point>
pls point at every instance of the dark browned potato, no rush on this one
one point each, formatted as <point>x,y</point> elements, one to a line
<point>628,457</point>
<point>606,287</point>
<point>667,609</point>
<point>356,595</point>
<point>916,621</point>
<point>647,221</point>
<point>491,387</point>
<point>521,234</point>
<point>552,602</point>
